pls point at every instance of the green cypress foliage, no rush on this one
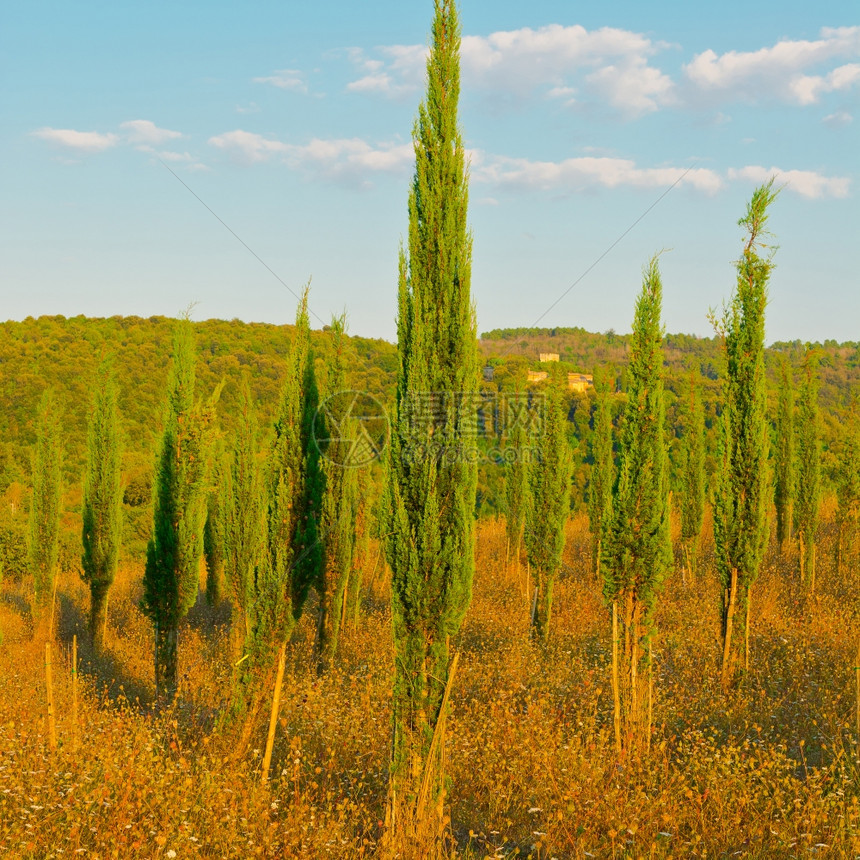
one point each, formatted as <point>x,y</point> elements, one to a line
<point>848,492</point>
<point>339,506</point>
<point>292,553</point>
<point>102,501</point>
<point>602,469</point>
<point>44,534</point>
<point>693,475</point>
<point>549,479</point>
<point>808,500</point>
<point>517,486</point>
<point>784,472</point>
<point>214,546</point>
<point>170,581</point>
<point>740,503</point>
<point>432,474</point>
<point>244,526</point>
<point>637,552</point>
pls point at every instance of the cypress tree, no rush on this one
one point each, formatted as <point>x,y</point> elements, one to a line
<point>516,488</point>
<point>808,500</point>
<point>693,475</point>
<point>339,506</point>
<point>848,491</point>
<point>740,525</point>
<point>432,474</point>
<point>783,490</point>
<point>170,581</point>
<point>214,538</point>
<point>102,501</point>
<point>292,552</point>
<point>549,506</point>
<point>602,468</point>
<point>637,552</point>
<point>43,545</point>
<point>244,526</point>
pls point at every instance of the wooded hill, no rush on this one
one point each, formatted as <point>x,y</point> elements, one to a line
<point>63,353</point>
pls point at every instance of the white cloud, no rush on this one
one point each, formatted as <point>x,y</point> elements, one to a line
<point>253,107</point>
<point>285,79</point>
<point>608,65</point>
<point>779,71</point>
<point>348,159</point>
<point>807,183</point>
<point>578,174</point>
<point>839,119</point>
<point>86,141</point>
<point>146,133</point>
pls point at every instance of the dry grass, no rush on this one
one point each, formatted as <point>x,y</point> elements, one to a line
<point>766,772</point>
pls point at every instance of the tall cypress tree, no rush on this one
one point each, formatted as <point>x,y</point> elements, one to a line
<point>339,505</point>
<point>602,469</point>
<point>549,507</point>
<point>244,525</point>
<point>808,468</point>
<point>292,552</point>
<point>740,504</point>
<point>170,581</point>
<point>693,475</point>
<point>432,474</point>
<point>784,472</point>
<point>102,501</point>
<point>43,545</point>
<point>637,550</point>
<point>517,487</point>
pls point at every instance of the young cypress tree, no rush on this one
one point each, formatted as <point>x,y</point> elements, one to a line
<point>808,500</point>
<point>848,491</point>
<point>693,476</point>
<point>602,469</point>
<point>170,581</point>
<point>637,550</point>
<point>740,524</point>
<point>292,552</point>
<point>549,507</point>
<point>43,545</point>
<point>783,491</point>
<point>214,546</point>
<point>244,525</point>
<point>102,502</point>
<point>517,488</point>
<point>432,474</point>
<point>339,507</point>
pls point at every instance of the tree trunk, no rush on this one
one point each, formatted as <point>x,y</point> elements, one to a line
<point>166,642</point>
<point>616,691</point>
<point>727,668</point>
<point>542,610</point>
<point>98,615</point>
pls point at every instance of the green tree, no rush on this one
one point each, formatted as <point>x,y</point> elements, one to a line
<point>431,479</point>
<point>43,546</point>
<point>637,552</point>
<point>848,491</point>
<point>740,501</point>
<point>808,500</point>
<point>602,469</point>
<point>339,503</point>
<point>214,537</point>
<point>170,581</point>
<point>784,472</point>
<point>517,483</point>
<point>102,501</point>
<point>693,475</point>
<point>549,506</point>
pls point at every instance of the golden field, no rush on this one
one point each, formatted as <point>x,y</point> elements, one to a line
<point>767,771</point>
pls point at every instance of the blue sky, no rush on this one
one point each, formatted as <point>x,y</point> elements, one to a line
<point>292,121</point>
